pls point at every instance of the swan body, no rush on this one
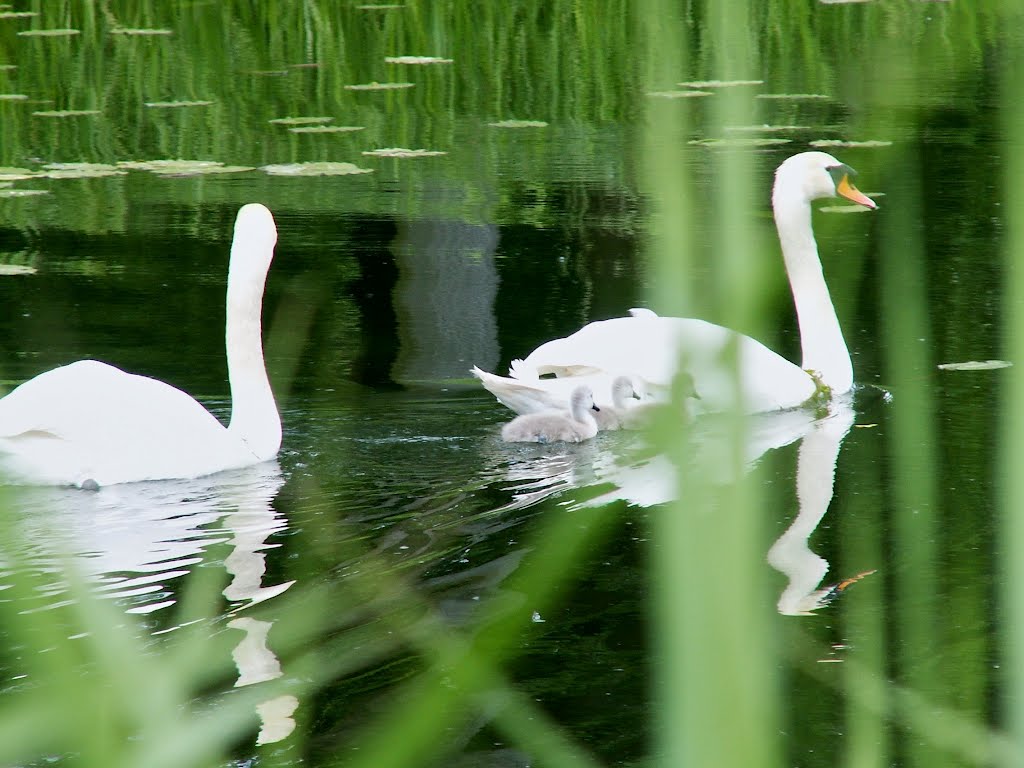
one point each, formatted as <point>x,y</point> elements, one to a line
<point>556,426</point>
<point>92,424</point>
<point>653,348</point>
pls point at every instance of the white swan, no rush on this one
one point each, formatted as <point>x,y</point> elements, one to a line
<point>556,426</point>
<point>651,348</point>
<point>91,424</point>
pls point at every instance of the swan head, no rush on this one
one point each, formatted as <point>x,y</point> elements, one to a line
<point>255,238</point>
<point>814,175</point>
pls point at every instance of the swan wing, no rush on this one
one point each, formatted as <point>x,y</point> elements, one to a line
<point>653,348</point>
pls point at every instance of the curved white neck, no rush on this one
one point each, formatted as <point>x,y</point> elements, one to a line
<point>824,350</point>
<point>254,417</point>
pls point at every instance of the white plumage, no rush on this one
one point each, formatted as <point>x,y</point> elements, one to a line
<point>92,423</point>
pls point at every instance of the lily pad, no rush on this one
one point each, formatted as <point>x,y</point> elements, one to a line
<point>792,96</point>
<point>416,60</point>
<point>300,120</point>
<point>719,83</point>
<point>13,97</point>
<point>176,104</point>
<point>49,32</point>
<point>84,172</point>
<point>327,128</point>
<point>402,152</point>
<point>519,124</point>
<point>315,169</point>
<point>856,144</point>
<point>183,167</point>
<point>66,113</point>
<point>140,32</point>
<point>6,193</point>
<point>844,209</point>
<point>16,174</point>
<point>976,365</point>
<point>765,128</point>
<point>17,269</point>
<point>379,86</point>
<point>677,94</point>
<point>739,142</point>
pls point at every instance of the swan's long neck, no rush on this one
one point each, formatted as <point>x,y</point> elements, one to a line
<point>254,417</point>
<point>824,350</point>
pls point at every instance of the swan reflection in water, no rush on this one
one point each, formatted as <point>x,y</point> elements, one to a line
<point>133,541</point>
<point>654,480</point>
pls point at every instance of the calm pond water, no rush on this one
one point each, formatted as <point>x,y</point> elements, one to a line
<point>388,285</point>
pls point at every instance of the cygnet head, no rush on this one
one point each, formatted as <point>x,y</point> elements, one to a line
<point>814,175</point>
<point>624,388</point>
<point>582,400</point>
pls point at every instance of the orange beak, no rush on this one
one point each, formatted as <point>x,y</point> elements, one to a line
<point>845,189</point>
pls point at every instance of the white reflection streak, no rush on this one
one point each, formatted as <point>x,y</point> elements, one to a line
<point>815,480</point>
<point>251,524</point>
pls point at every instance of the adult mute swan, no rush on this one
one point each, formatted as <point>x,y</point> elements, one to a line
<point>652,348</point>
<point>91,424</point>
<point>556,426</point>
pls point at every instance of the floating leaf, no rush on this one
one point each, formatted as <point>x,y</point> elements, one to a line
<point>16,174</point>
<point>18,14</point>
<point>23,192</point>
<point>765,128</point>
<point>140,32</point>
<point>519,124</point>
<point>183,167</point>
<point>677,94</point>
<point>739,142</point>
<point>300,120</point>
<point>402,152</point>
<point>416,60</point>
<point>975,365</point>
<point>50,32</point>
<point>315,169</point>
<point>17,269</point>
<point>13,97</point>
<point>176,104</point>
<point>83,172</point>
<point>66,113</point>
<point>843,209</point>
<point>719,83</point>
<point>327,128</point>
<point>841,143</point>
<point>379,86</point>
<point>792,96</point>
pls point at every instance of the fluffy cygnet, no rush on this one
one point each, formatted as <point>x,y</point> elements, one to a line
<point>556,426</point>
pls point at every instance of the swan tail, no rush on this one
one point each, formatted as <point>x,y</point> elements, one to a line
<point>518,395</point>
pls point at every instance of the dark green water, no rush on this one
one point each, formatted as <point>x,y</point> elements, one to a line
<point>387,286</point>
